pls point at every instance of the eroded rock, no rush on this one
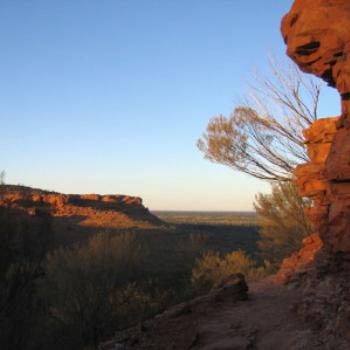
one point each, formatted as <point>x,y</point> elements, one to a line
<point>233,288</point>
<point>77,217</point>
<point>299,262</point>
<point>318,40</point>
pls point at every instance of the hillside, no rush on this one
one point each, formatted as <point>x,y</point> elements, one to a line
<point>76,217</point>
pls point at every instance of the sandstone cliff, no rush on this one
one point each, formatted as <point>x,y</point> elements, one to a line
<point>77,217</point>
<point>317,36</point>
<point>318,40</point>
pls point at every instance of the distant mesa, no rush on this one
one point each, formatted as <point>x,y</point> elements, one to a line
<point>77,217</point>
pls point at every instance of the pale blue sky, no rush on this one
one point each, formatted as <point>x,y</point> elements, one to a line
<point>110,96</point>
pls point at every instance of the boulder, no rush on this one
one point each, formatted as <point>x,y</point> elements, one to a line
<point>232,288</point>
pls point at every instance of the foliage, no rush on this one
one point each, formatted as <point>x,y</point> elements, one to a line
<point>81,294</point>
<point>189,247</point>
<point>91,288</point>
<point>179,245</point>
<point>212,268</point>
<point>283,222</point>
<point>263,136</point>
<point>23,246</point>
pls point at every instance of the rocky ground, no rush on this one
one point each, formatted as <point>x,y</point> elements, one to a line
<point>308,310</point>
<point>266,320</point>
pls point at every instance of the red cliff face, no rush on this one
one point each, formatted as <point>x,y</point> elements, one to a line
<point>317,36</point>
<point>77,217</point>
<point>318,39</point>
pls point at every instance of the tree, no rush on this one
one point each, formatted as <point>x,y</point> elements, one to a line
<point>263,136</point>
<point>283,222</point>
<point>91,291</point>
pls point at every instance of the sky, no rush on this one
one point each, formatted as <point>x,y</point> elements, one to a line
<point>110,96</point>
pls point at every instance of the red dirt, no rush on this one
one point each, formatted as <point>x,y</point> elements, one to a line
<point>264,321</point>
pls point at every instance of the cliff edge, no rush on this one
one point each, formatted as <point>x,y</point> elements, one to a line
<point>76,217</point>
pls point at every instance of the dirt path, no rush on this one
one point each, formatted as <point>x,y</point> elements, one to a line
<point>264,322</point>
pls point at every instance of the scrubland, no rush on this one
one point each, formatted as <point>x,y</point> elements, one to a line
<point>76,295</point>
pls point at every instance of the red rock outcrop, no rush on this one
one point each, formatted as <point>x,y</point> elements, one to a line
<point>318,39</point>
<point>300,261</point>
<point>76,217</point>
<point>312,182</point>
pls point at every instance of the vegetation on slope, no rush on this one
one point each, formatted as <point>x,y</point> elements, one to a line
<point>75,295</point>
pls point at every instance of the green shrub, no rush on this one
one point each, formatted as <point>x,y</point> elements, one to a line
<point>212,268</point>
<point>283,222</point>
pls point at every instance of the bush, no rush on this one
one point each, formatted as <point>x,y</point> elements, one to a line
<point>91,289</point>
<point>24,242</point>
<point>212,268</point>
<point>283,222</point>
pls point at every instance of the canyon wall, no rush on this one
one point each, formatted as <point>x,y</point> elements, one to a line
<point>77,217</point>
<point>317,36</point>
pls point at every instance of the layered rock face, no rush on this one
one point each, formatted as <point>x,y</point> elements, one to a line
<point>76,217</point>
<point>61,204</point>
<point>300,261</point>
<point>318,39</point>
<point>312,182</point>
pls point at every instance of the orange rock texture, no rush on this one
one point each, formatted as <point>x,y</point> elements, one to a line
<point>318,40</point>
<point>300,261</point>
<point>76,217</point>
